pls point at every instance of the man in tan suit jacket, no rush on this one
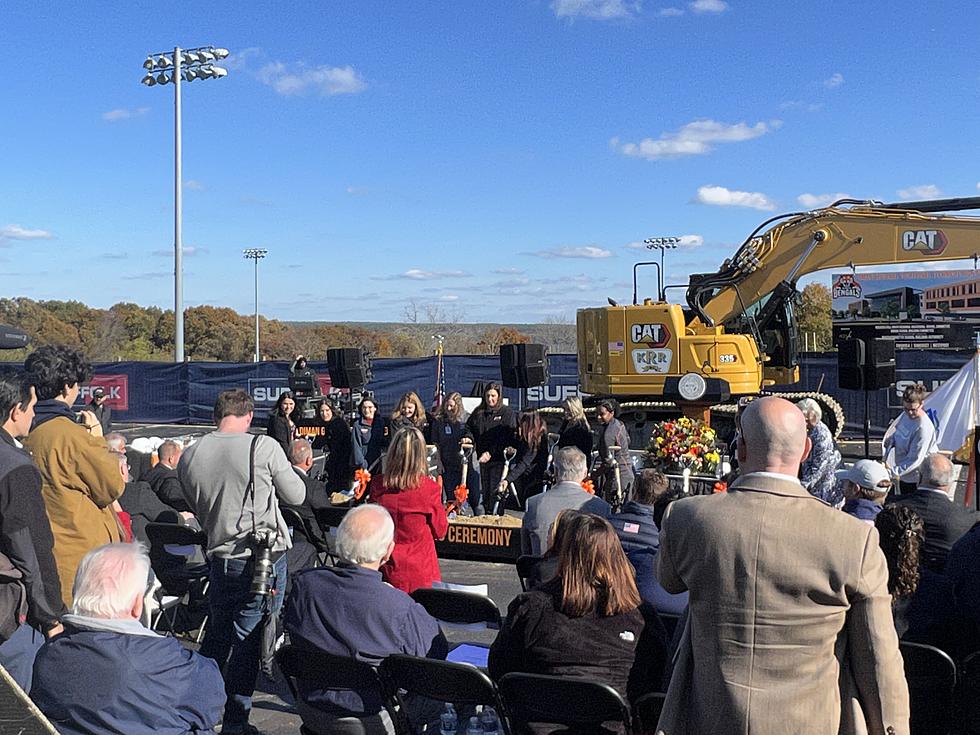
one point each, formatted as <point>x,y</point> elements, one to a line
<point>790,626</point>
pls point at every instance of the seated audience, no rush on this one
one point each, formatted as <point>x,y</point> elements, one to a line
<point>945,521</point>
<point>865,484</point>
<point>80,477</point>
<point>640,537</point>
<point>567,492</point>
<point>307,537</point>
<point>163,476</point>
<point>348,610</point>
<point>587,622</point>
<point>817,470</point>
<point>414,500</point>
<point>922,600</point>
<point>139,462</point>
<point>108,674</point>
<point>961,570</point>
<point>143,506</point>
<point>546,567</point>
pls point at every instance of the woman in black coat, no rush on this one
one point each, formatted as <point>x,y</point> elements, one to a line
<point>335,441</point>
<point>492,426</point>
<point>531,461</point>
<point>575,431</point>
<point>280,425</point>
<point>447,431</point>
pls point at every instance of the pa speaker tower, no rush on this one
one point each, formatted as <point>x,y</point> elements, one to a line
<point>349,368</point>
<point>865,363</point>
<point>524,365</point>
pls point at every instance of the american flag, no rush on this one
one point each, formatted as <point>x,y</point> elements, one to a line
<point>440,393</point>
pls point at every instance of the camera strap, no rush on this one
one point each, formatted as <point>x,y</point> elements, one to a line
<point>250,488</point>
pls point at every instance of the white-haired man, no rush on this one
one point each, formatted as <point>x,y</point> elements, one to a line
<point>347,610</point>
<point>108,674</point>
<point>567,493</point>
<point>790,625</point>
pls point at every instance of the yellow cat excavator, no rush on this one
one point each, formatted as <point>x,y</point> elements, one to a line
<point>738,335</point>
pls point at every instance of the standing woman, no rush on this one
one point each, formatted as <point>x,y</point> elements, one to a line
<point>531,462</point>
<point>818,471</point>
<point>575,431</point>
<point>280,425</point>
<point>447,432</point>
<point>414,501</point>
<point>492,426</point>
<point>370,435</point>
<point>410,413</point>
<point>336,442</point>
<point>613,433</point>
<point>913,439</point>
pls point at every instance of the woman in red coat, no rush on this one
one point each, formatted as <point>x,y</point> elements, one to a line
<point>415,502</point>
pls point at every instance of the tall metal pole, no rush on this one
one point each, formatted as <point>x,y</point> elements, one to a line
<point>257,353</point>
<point>178,216</point>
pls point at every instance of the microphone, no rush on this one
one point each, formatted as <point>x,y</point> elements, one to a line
<point>12,338</point>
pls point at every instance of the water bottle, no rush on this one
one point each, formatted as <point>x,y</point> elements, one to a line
<point>474,728</point>
<point>448,721</point>
<point>488,720</point>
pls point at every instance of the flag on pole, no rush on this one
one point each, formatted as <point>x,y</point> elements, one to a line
<point>440,392</point>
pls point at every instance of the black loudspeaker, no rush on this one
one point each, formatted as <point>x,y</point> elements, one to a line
<point>523,366</point>
<point>349,367</point>
<point>865,364</point>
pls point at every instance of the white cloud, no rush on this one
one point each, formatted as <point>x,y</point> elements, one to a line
<point>193,185</point>
<point>299,79</point>
<point>124,114</point>
<point>520,271</point>
<point>16,232</point>
<point>719,196</point>
<point>686,241</point>
<point>584,251</point>
<point>239,59</point>
<point>834,81</point>
<point>595,9</point>
<point>925,191</point>
<point>709,6</point>
<point>188,251</point>
<point>356,191</point>
<point>801,105</point>
<point>417,274</point>
<point>449,297</point>
<point>670,12</point>
<point>978,186</point>
<point>694,139</point>
<point>814,201</point>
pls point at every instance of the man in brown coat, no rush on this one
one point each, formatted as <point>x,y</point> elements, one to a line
<point>790,627</point>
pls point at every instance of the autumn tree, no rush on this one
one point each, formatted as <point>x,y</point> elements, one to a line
<point>490,341</point>
<point>813,317</point>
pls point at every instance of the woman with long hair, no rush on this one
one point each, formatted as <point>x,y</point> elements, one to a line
<point>575,431</point>
<point>414,501</point>
<point>449,433</point>
<point>531,461</point>
<point>370,435</point>
<point>335,441</point>
<point>280,425</point>
<point>587,622</point>
<point>410,413</point>
<point>492,426</point>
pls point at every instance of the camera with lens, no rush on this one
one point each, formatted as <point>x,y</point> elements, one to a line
<point>262,570</point>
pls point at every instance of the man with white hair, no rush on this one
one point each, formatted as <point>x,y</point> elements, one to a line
<point>567,492</point>
<point>945,521</point>
<point>347,610</point>
<point>790,625</point>
<point>108,674</point>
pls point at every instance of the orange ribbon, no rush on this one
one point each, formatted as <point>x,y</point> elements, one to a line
<point>588,486</point>
<point>362,477</point>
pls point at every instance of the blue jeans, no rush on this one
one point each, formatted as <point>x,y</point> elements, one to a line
<point>234,633</point>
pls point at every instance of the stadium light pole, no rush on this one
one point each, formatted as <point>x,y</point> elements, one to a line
<point>171,68</point>
<point>256,254</point>
<point>663,244</point>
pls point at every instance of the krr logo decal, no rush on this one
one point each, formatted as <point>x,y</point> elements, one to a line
<point>925,241</point>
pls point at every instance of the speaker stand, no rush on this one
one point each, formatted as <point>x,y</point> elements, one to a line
<point>867,424</point>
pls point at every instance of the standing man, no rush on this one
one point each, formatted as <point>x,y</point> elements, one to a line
<point>790,626</point>
<point>613,433</point>
<point>25,537</point>
<point>215,473</point>
<point>100,408</point>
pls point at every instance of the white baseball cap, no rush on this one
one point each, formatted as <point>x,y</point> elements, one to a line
<point>865,473</point>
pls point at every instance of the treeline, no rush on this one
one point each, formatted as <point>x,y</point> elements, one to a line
<point>132,332</point>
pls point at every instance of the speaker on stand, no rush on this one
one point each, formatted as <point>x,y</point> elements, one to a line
<point>524,366</point>
<point>350,368</point>
<point>865,363</point>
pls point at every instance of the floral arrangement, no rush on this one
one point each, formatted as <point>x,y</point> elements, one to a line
<point>362,478</point>
<point>683,443</point>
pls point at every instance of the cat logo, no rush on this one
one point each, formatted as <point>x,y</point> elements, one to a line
<point>925,241</point>
<point>651,335</point>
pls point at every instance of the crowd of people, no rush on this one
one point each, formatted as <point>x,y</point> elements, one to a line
<point>791,590</point>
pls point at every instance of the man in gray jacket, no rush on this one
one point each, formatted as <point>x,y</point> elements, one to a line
<point>567,492</point>
<point>214,474</point>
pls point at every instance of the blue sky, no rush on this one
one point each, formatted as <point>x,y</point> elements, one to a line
<point>495,160</point>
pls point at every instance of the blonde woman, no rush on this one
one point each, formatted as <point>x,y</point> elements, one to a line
<point>575,431</point>
<point>414,501</point>
<point>409,413</point>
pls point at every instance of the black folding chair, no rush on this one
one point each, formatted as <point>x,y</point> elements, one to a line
<point>458,608</point>
<point>931,675</point>
<point>442,681</point>
<point>295,521</point>
<point>579,705</point>
<point>525,567</point>
<point>177,573</point>
<point>968,695</point>
<point>646,711</point>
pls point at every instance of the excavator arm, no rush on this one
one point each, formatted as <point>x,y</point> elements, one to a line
<point>848,233</point>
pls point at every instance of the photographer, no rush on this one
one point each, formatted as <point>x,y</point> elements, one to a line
<point>247,541</point>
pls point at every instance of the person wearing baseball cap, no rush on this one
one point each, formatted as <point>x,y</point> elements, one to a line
<point>866,484</point>
<point>100,408</point>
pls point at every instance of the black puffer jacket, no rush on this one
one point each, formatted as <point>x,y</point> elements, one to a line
<point>493,430</point>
